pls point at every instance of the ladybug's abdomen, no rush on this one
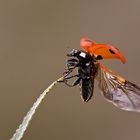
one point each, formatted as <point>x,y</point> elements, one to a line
<point>87,74</point>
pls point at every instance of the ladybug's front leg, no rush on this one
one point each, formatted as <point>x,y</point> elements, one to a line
<point>72,63</point>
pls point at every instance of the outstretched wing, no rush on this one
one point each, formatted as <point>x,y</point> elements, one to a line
<point>122,93</point>
<point>104,51</point>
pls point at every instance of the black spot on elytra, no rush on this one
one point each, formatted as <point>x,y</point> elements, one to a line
<point>111,51</point>
<point>99,57</point>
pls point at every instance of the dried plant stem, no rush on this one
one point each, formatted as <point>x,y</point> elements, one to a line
<point>23,126</point>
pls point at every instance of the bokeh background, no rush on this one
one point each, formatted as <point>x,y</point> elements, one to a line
<point>35,36</point>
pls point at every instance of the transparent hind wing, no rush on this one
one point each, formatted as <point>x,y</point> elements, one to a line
<point>122,93</point>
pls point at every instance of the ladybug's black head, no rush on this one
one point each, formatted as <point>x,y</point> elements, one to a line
<point>81,55</point>
<point>74,53</point>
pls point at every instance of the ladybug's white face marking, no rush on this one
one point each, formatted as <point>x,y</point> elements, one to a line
<point>82,54</point>
<point>87,64</point>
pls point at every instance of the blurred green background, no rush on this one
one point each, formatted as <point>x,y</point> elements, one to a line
<point>35,36</point>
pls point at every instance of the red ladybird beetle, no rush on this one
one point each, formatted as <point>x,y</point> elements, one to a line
<point>122,93</point>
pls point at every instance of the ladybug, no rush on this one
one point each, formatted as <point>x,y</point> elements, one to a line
<point>116,89</point>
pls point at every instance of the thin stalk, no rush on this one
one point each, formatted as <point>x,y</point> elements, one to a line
<point>23,126</point>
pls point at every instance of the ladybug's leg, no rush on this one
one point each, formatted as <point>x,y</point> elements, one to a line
<point>72,76</point>
<point>72,63</point>
<point>67,77</point>
<point>76,82</point>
